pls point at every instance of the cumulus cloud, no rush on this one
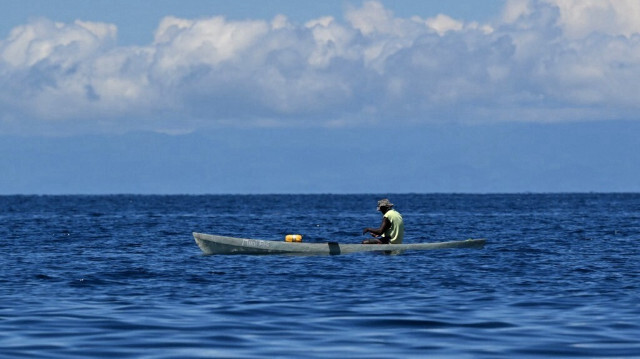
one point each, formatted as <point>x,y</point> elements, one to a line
<point>579,18</point>
<point>543,60</point>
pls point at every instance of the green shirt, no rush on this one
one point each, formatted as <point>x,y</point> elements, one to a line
<point>395,233</point>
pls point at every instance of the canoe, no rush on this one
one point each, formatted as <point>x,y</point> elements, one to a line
<point>212,244</point>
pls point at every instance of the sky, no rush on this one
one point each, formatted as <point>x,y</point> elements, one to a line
<point>335,97</point>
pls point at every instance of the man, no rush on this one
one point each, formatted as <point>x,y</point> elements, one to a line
<point>392,228</point>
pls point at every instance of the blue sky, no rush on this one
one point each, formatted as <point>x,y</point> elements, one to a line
<point>339,96</point>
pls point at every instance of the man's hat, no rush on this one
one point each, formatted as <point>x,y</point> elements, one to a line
<point>384,203</point>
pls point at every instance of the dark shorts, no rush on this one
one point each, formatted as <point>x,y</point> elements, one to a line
<point>376,241</point>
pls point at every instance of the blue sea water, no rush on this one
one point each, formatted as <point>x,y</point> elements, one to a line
<point>121,276</point>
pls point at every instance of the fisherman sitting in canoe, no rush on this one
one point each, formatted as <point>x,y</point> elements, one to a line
<point>392,228</point>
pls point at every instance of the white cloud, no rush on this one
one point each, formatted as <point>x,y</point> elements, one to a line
<point>580,18</point>
<point>205,41</point>
<point>443,23</point>
<point>546,60</point>
<point>43,39</point>
<point>515,9</point>
<point>373,18</point>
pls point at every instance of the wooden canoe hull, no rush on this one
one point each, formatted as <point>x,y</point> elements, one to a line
<point>212,244</point>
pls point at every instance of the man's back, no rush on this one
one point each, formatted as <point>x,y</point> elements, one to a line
<point>395,233</point>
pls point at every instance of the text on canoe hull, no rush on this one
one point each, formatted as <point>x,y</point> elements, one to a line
<point>255,243</point>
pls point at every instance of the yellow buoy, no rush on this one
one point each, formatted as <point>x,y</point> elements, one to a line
<point>293,238</point>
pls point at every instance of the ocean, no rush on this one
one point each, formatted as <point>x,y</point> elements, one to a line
<point>121,276</point>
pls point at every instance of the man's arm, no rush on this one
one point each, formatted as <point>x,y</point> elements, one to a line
<point>377,232</point>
